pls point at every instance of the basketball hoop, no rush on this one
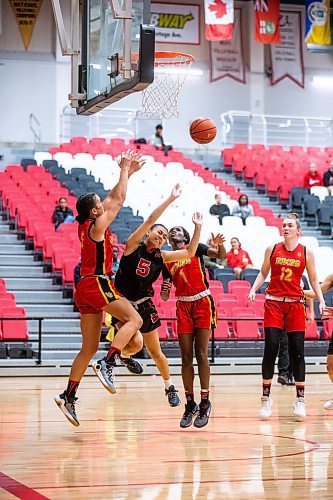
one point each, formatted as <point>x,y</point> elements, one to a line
<point>160,98</point>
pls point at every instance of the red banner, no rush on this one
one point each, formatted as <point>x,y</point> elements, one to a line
<point>267,14</point>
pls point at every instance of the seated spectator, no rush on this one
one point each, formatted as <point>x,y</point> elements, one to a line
<point>312,178</point>
<point>237,258</point>
<point>243,209</point>
<point>328,178</point>
<point>157,140</point>
<point>212,263</point>
<point>62,213</point>
<point>219,208</point>
<point>77,274</point>
<point>115,260</point>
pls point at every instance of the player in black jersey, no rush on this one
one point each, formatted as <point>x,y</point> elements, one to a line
<point>140,266</point>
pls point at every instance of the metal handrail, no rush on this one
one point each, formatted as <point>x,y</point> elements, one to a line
<point>36,129</point>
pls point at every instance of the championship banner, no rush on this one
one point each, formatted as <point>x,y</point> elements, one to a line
<point>317,29</point>
<point>26,13</point>
<point>176,23</point>
<point>267,13</point>
<point>287,56</point>
<point>226,57</point>
<point>219,19</point>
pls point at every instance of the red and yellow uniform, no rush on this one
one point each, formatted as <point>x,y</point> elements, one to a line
<point>95,290</point>
<point>195,305</point>
<point>287,311</point>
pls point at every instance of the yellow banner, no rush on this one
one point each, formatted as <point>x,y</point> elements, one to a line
<point>26,13</point>
<point>318,29</point>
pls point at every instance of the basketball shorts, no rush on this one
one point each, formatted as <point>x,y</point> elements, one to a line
<point>288,316</point>
<point>149,316</point>
<point>198,314</point>
<point>330,346</point>
<point>93,293</point>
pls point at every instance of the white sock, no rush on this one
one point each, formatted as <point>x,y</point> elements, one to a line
<point>167,383</point>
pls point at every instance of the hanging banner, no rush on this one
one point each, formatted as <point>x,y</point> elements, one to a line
<point>226,57</point>
<point>26,13</point>
<point>317,29</point>
<point>287,56</point>
<point>219,19</point>
<point>267,13</point>
<point>176,23</point>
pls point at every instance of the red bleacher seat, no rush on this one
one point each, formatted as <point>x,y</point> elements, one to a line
<point>311,331</point>
<point>246,329</point>
<point>235,285</point>
<point>13,329</point>
<point>68,271</point>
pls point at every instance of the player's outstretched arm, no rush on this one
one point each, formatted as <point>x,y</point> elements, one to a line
<point>186,253</point>
<point>260,279</point>
<point>218,251</point>
<point>326,285</point>
<point>313,279</point>
<point>135,239</point>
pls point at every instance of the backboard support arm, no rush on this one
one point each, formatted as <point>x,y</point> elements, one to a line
<point>126,16</point>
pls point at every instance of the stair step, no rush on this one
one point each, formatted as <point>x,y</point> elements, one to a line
<point>14,249</point>
<point>40,297</point>
<point>68,341</point>
<point>14,284</point>
<point>60,324</point>
<point>55,331</point>
<point>65,355</point>
<point>4,229</point>
<point>8,238</point>
<point>40,310</point>
<point>19,260</point>
<point>27,271</point>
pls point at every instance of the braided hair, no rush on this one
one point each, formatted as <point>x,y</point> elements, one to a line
<point>83,206</point>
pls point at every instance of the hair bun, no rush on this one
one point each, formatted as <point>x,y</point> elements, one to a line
<point>293,215</point>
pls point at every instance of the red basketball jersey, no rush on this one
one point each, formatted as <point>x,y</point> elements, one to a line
<point>286,271</point>
<point>188,275</point>
<point>96,256</point>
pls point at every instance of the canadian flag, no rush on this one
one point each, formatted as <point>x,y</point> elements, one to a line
<point>219,18</point>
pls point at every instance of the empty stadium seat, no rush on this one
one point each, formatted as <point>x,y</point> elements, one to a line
<point>13,329</point>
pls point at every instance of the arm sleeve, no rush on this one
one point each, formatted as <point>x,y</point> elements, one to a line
<point>201,250</point>
<point>212,210</point>
<point>235,210</point>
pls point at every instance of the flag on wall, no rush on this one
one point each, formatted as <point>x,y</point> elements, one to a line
<point>219,18</point>
<point>26,14</point>
<point>317,29</point>
<point>267,14</point>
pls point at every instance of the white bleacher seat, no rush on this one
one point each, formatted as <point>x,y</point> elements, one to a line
<point>103,158</point>
<point>229,221</point>
<point>65,160</point>
<point>40,156</point>
<point>320,191</point>
<point>83,160</point>
<point>255,221</point>
<point>309,241</point>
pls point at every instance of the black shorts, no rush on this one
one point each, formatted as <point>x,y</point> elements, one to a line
<point>149,315</point>
<point>330,346</point>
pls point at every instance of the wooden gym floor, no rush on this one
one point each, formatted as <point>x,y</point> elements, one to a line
<point>130,445</point>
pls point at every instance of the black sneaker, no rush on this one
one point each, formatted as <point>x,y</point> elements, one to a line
<point>291,381</point>
<point>204,411</point>
<point>67,406</point>
<point>172,396</point>
<point>282,379</point>
<point>191,409</point>
<point>105,373</point>
<point>132,365</point>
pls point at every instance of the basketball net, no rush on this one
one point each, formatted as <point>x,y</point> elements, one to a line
<point>160,99</point>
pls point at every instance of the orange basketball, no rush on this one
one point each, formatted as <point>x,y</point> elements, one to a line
<point>203,130</point>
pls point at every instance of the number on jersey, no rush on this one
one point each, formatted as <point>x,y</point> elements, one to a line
<point>286,274</point>
<point>143,268</point>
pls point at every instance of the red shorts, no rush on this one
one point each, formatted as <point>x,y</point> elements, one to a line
<point>288,316</point>
<point>93,293</point>
<point>198,314</point>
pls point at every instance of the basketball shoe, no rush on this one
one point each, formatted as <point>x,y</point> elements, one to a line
<point>329,405</point>
<point>202,418</point>
<point>191,410</point>
<point>131,364</point>
<point>106,374</point>
<point>299,409</point>
<point>266,408</point>
<point>67,406</point>
<point>173,398</point>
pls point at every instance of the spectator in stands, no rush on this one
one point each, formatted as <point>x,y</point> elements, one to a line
<point>62,213</point>
<point>115,260</point>
<point>157,140</point>
<point>312,178</point>
<point>212,263</point>
<point>219,209</point>
<point>243,209</point>
<point>328,177</point>
<point>237,258</point>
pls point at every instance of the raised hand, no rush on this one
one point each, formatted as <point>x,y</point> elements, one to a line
<point>219,239</point>
<point>136,163</point>
<point>176,191</point>
<point>166,285</point>
<point>197,219</point>
<point>125,159</point>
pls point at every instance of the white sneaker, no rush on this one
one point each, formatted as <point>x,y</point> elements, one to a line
<point>266,408</point>
<point>300,409</point>
<point>329,405</point>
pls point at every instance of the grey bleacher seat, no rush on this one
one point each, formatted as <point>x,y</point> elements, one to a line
<point>249,275</point>
<point>311,204</point>
<point>224,276</point>
<point>28,161</point>
<point>297,197</point>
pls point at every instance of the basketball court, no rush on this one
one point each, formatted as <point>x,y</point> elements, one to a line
<point>130,445</point>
